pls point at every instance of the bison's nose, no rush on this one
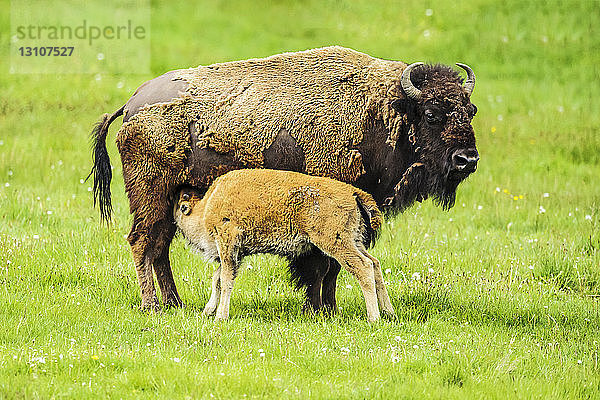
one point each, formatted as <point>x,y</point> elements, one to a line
<point>465,160</point>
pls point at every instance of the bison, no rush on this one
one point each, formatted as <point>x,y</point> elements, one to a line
<point>400,132</point>
<point>252,211</point>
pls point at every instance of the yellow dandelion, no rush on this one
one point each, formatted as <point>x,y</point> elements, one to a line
<point>493,129</point>
<point>94,357</point>
<point>521,196</point>
<point>505,191</point>
<point>516,198</point>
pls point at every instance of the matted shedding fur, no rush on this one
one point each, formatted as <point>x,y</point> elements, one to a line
<point>323,97</point>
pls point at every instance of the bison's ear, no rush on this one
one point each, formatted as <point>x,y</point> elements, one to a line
<point>400,105</point>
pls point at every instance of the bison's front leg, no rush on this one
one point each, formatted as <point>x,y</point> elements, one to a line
<point>307,273</point>
<point>329,286</point>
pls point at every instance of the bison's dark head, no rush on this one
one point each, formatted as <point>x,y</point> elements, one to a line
<point>440,136</point>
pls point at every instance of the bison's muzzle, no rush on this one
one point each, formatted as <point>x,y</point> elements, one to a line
<point>464,162</point>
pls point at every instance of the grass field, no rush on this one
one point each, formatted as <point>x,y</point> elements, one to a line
<point>497,298</point>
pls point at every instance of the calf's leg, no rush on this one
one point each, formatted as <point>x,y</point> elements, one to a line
<point>362,268</point>
<point>215,292</point>
<point>228,255</point>
<point>382,294</point>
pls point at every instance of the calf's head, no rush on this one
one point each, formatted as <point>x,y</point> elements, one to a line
<point>441,138</point>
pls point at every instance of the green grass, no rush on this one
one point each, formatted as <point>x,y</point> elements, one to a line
<point>495,298</point>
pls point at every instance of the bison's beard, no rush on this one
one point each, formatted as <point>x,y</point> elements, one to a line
<point>419,183</point>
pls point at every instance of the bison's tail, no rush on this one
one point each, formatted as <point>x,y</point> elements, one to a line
<point>101,168</point>
<point>372,217</point>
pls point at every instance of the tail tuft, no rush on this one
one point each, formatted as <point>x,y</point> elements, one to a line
<point>101,168</point>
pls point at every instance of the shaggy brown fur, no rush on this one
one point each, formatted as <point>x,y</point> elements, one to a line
<point>330,112</point>
<point>285,213</point>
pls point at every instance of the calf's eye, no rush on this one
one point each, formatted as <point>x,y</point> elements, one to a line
<point>185,208</point>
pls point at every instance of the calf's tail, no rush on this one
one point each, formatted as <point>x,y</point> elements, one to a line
<point>101,168</point>
<point>372,217</point>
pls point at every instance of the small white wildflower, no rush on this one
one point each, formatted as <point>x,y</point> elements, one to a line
<point>430,270</point>
<point>388,270</point>
<point>10,173</point>
<point>395,359</point>
<point>530,267</point>
<point>480,207</point>
<point>175,359</point>
<point>345,350</point>
<point>416,276</point>
<point>36,237</point>
<point>6,184</point>
<point>579,361</point>
<point>348,286</point>
<point>546,195</point>
<point>588,217</point>
<point>120,85</point>
<point>429,12</point>
<point>49,212</point>
<point>500,117</point>
<point>89,189</point>
<point>397,338</point>
<point>100,56</point>
<point>416,346</point>
<point>81,180</point>
<point>250,266</point>
<point>542,210</point>
<point>426,33</point>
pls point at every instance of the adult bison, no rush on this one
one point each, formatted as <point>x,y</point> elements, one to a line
<point>402,133</point>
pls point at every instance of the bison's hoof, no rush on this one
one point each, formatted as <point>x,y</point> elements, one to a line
<point>173,302</point>
<point>151,305</point>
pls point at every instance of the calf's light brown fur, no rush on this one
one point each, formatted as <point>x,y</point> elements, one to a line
<point>285,213</point>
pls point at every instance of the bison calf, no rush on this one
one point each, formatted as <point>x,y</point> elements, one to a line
<point>285,213</point>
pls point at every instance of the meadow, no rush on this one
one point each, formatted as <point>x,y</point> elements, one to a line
<point>496,298</point>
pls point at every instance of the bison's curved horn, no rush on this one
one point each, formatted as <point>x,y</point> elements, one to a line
<point>470,82</point>
<point>407,85</point>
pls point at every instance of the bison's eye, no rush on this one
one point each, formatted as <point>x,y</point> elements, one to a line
<point>430,116</point>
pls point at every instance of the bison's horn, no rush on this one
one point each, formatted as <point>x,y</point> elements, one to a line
<point>407,85</point>
<point>470,82</point>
